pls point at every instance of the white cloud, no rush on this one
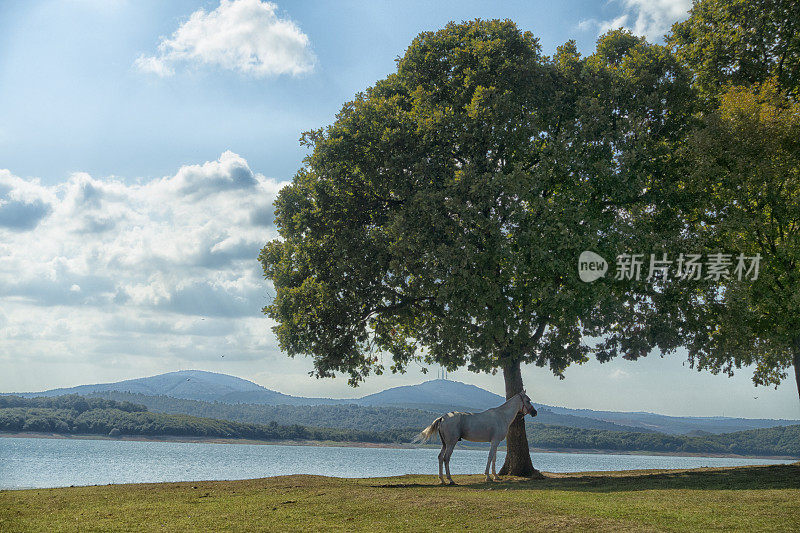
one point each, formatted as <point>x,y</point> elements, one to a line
<point>654,18</point>
<point>247,36</point>
<point>650,18</point>
<point>619,374</point>
<point>178,252</point>
<point>23,204</point>
<point>153,65</point>
<point>606,25</point>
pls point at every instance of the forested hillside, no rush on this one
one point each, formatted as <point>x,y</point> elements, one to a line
<point>364,418</point>
<point>99,416</point>
<point>781,440</point>
<point>210,394</point>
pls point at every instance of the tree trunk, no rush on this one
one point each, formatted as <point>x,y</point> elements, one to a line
<point>518,455</point>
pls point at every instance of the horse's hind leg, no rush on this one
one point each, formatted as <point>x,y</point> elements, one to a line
<point>494,461</point>
<point>448,452</point>
<point>441,461</point>
<point>489,462</point>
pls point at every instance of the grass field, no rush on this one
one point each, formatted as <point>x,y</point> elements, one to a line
<point>760,498</point>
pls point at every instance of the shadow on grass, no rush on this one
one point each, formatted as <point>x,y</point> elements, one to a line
<point>740,478</point>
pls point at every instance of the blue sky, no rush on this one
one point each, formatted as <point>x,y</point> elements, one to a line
<point>142,144</point>
<point>72,100</point>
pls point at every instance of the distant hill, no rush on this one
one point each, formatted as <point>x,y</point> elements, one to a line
<point>192,385</point>
<point>200,385</point>
<point>431,397</point>
<point>436,392</point>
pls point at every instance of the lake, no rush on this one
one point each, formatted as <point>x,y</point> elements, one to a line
<point>41,463</point>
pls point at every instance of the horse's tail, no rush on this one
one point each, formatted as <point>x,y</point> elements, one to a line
<point>428,432</point>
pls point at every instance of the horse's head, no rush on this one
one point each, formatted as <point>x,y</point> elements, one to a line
<point>527,406</point>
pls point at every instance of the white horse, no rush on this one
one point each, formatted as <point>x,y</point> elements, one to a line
<point>488,426</point>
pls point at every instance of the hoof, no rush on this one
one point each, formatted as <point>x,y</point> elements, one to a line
<point>488,479</point>
<point>497,478</point>
<point>451,482</point>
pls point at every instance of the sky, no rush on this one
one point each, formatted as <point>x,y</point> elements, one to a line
<point>142,144</point>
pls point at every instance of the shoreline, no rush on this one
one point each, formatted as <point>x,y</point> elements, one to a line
<point>352,444</point>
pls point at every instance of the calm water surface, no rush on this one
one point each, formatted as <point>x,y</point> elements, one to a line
<point>40,463</point>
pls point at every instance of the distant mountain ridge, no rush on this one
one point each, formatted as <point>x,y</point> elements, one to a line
<point>438,391</point>
<point>434,396</point>
<point>185,384</point>
<point>210,386</point>
<point>677,425</point>
<point>351,416</point>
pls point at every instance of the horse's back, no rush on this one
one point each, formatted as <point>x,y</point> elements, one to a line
<point>454,419</point>
<point>476,427</point>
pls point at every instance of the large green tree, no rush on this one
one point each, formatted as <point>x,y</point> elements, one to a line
<point>746,162</point>
<point>440,218</point>
<point>740,42</point>
<point>743,174</point>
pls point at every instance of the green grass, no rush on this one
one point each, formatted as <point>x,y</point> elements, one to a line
<point>761,498</point>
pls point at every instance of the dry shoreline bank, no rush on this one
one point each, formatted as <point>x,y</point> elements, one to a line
<point>219,440</point>
<point>750,498</point>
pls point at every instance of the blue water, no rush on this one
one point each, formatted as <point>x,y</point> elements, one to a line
<point>41,463</point>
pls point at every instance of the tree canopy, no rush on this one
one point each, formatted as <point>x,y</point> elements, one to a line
<point>740,42</point>
<point>747,160</point>
<point>743,170</point>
